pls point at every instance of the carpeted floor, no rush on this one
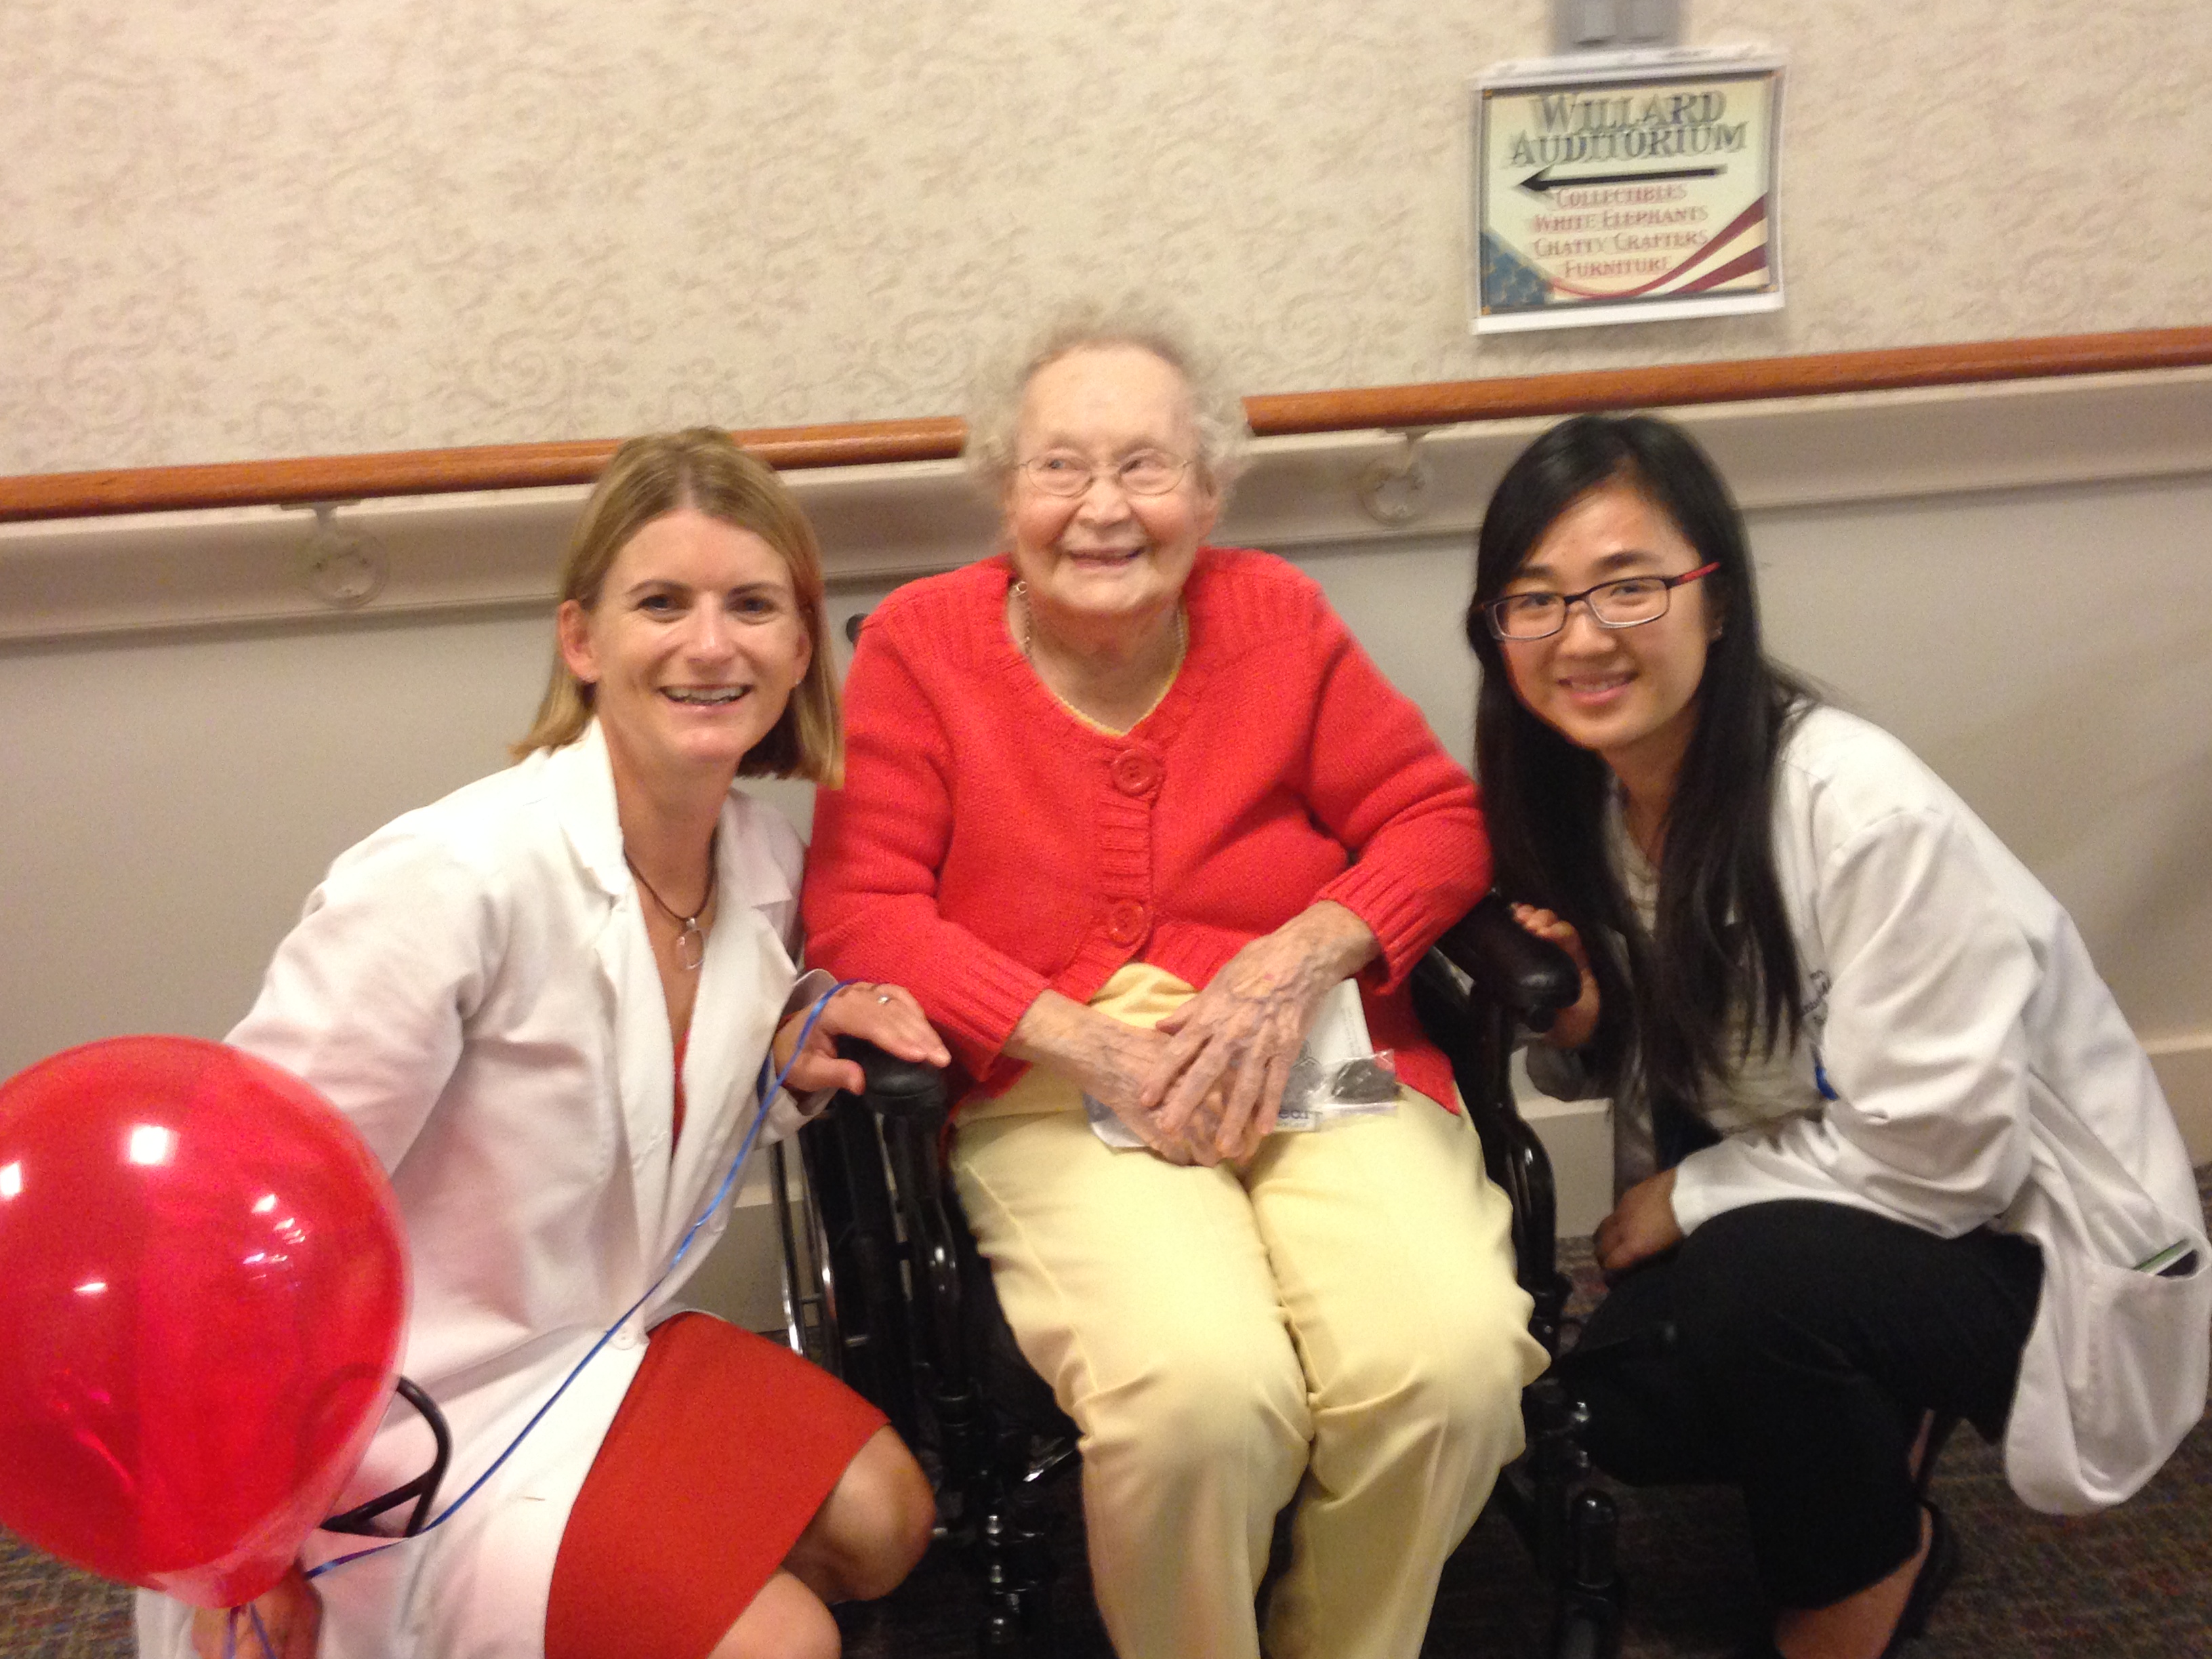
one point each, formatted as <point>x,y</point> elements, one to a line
<point>2133,1583</point>
<point>49,1612</point>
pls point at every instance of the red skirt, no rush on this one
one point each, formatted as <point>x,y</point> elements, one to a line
<point>724,1447</point>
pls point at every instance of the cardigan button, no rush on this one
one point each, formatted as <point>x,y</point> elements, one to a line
<point>1136,772</point>
<point>1126,921</point>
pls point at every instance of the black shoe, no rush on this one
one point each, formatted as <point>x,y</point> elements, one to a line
<point>1934,1577</point>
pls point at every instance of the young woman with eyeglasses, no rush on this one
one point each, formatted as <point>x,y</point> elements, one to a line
<point>1886,1152</point>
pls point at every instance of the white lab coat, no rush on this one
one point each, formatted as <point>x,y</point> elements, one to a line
<point>1980,1073</point>
<point>473,986</point>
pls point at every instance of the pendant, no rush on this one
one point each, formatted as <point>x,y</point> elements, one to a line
<point>692,945</point>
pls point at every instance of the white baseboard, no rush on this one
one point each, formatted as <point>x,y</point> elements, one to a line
<point>1579,1136</point>
<point>742,1278</point>
<point>2184,1064</point>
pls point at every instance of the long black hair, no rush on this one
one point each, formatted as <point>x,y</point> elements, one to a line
<point>1721,938</point>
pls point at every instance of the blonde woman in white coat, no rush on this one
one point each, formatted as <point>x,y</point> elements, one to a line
<point>1885,1147</point>
<point>546,1001</point>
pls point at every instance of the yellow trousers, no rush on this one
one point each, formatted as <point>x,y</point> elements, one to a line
<point>1336,1323</point>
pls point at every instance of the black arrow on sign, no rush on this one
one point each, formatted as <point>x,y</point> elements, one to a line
<point>1542,181</point>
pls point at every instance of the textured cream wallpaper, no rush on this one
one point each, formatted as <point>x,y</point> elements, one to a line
<point>233,229</point>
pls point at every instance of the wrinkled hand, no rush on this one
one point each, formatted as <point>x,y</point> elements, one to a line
<point>292,1613</point>
<point>1109,1059</point>
<point>885,1015</point>
<point>1113,1070</point>
<point>1238,1038</point>
<point>1574,1025</point>
<point>1642,1225</point>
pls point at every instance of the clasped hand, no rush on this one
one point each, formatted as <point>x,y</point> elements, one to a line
<point>1119,1059</point>
<point>1129,1069</point>
<point>1229,1048</point>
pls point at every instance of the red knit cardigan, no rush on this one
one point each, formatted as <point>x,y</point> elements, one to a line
<point>988,845</point>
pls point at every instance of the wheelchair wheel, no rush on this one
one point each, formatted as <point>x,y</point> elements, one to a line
<point>852,1303</point>
<point>810,1277</point>
<point>1581,1638</point>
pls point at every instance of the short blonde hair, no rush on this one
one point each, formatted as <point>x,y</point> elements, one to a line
<point>994,402</point>
<point>701,469</point>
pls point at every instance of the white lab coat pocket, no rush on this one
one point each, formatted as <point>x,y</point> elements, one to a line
<point>2116,1365</point>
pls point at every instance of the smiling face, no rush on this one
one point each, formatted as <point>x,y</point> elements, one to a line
<point>1107,556</point>
<point>693,648</point>
<point>1628,694</point>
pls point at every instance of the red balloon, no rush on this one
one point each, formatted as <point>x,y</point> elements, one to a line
<point>202,1283</point>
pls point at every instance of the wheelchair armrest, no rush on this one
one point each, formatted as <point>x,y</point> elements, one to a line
<point>902,1089</point>
<point>1531,978</point>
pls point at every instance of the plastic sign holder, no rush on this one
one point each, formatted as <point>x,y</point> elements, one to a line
<point>1626,187</point>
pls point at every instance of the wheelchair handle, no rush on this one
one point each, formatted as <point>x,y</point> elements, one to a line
<point>904,1088</point>
<point>1530,977</point>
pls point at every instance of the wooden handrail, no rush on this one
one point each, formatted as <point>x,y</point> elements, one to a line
<point>1741,380</point>
<point>517,466</point>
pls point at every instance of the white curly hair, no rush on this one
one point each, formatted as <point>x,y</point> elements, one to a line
<point>995,405</point>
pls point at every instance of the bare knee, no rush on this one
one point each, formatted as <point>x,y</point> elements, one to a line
<point>873,1527</point>
<point>786,1620</point>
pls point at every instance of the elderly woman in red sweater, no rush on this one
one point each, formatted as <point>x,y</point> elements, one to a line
<point>1130,815</point>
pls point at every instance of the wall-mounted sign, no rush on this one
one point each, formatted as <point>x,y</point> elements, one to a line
<point>1627,188</point>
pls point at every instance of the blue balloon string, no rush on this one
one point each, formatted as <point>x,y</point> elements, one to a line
<point>768,1090</point>
<point>230,1632</point>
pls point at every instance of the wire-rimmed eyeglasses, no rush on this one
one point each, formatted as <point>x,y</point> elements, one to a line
<point>1140,473</point>
<point>1630,602</point>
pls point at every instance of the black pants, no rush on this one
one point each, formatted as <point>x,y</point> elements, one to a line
<point>1809,1340</point>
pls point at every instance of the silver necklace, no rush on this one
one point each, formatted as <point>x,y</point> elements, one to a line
<point>690,937</point>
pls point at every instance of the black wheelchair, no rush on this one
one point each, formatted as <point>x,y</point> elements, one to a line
<point>885,1287</point>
